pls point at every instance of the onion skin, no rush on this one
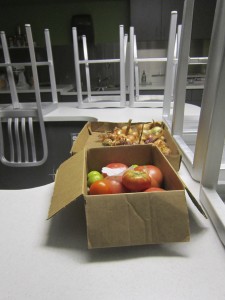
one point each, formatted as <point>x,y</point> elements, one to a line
<point>156,130</point>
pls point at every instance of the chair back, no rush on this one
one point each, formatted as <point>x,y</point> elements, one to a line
<point>23,138</point>
<point>23,141</point>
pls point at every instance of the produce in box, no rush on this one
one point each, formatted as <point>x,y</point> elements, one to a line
<point>121,179</point>
<point>134,134</point>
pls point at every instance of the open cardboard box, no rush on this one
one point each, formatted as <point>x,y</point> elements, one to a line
<point>130,218</point>
<point>89,138</point>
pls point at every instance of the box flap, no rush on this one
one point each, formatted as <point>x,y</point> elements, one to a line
<point>69,183</point>
<point>137,219</point>
<point>80,142</point>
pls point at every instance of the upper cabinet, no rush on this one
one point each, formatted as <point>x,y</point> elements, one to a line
<point>151,18</point>
<point>203,19</point>
<point>146,19</point>
<point>167,7</point>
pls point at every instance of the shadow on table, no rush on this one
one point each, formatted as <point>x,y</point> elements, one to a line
<point>68,230</point>
<point>198,223</point>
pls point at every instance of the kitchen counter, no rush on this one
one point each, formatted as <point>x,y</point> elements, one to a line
<point>49,259</point>
<point>68,89</point>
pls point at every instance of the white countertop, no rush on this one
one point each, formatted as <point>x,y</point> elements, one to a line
<point>69,111</point>
<point>49,259</point>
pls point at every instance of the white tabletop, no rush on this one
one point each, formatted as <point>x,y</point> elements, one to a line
<point>49,259</point>
<point>69,112</point>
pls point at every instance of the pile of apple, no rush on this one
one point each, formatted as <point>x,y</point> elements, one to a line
<point>119,178</point>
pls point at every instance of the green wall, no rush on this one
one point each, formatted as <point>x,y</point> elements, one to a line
<point>56,16</point>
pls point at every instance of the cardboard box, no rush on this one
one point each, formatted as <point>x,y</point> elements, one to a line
<point>124,219</point>
<point>89,138</point>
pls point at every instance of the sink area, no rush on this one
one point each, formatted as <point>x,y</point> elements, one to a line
<point>196,79</point>
<point>71,90</point>
<point>97,89</point>
<point>106,88</point>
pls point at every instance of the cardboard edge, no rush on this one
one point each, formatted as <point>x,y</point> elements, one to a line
<point>68,186</point>
<point>195,202</point>
<point>80,158</point>
<point>80,143</point>
<point>131,208</point>
<point>193,199</point>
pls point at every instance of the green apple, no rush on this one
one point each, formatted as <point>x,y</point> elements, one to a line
<point>91,173</point>
<point>94,176</point>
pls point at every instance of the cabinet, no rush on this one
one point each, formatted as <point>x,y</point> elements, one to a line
<point>194,96</point>
<point>146,19</point>
<point>151,18</point>
<point>28,96</point>
<point>167,7</point>
<point>203,19</point>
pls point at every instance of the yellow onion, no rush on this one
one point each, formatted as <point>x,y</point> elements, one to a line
<point>156,130</point>
<point>146,132</point>
<point>118,131</point>
<point>124,129</point>
<point>135,133</point>
<point>140,127</point>
<point>130,138</point>
<point>144,126</point>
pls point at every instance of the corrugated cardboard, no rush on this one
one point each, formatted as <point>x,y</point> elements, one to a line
<point>89,138</point>
<point>130,218</point>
